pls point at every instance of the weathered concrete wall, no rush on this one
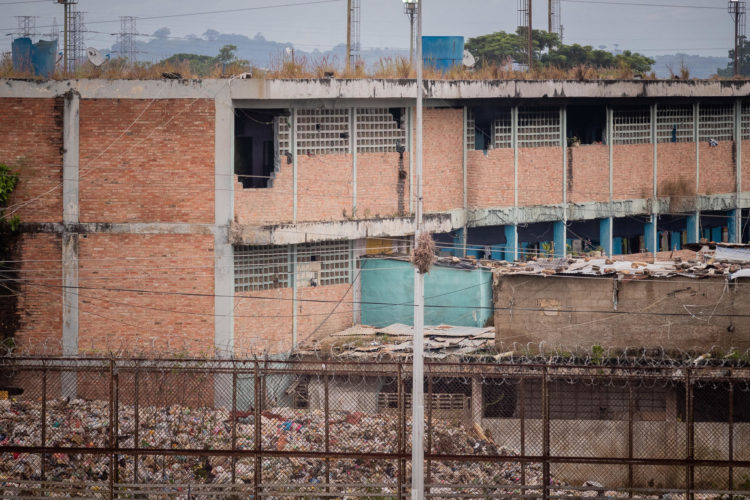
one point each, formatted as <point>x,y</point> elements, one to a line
<point>563,311</point>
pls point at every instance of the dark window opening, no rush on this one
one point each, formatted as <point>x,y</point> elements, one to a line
<point>256,151</point>
<point>491,127</point>
<point>586,125</point>
<point>711,403</point>
<point>499,400</point>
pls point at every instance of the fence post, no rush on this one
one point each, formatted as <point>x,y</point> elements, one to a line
<point>234,423</point>
<point>690,431</point>
<point>44,420</point>
<point>429,430</point>
<point>136,416</point>
<point>545,433</point>
<point>326,412</point>
<point>521,414</point>
<point>401,420</point>
<point>731,431</point>
<point>258,444</point>
<point>631,411</point>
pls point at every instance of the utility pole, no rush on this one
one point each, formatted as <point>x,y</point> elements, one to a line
<point>409,9</point>
<point>549,16</point>
<point>737,12</point>
<point>68,8</point>
<point>348,34</point>
<point>531,40</point>
<point>417,390</point>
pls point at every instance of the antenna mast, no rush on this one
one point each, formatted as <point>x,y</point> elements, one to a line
<point>554,18</point>
<point>26,26</point>
<point>737,12</point>
<point>352,32</point>
<point>524,21</point>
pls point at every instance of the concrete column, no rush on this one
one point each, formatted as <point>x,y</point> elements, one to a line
<point>476,401</point>
<point>734,225</point>
<point>676,243</point>
<point>295,163</point>
<point>650,235</point>
<point>653,233</point>
<point>465,161</point>
<point>605,235</point>
<point>693,235</point>
<point>223,250</point>
<point>70,216</point>
<point>511,243</point>
<point>737,220</point>
<point>560,230</point>
<point>353,149</point>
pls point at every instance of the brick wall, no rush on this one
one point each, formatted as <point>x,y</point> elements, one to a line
<point>745,165</point>
<point>442,166</point>
<point>676,166</point>
<point>263,325</point>
<point>161,169</point>
<point>40,300</point>
<point>314,315</point>
<point>377,184</point>
<point>539,176</point>
<point>324,187</point>
<point>490,178</point>
<point>266,205</point>
<point>137,321</point>
<point>588,173</point>
<point>717,168</point>
<point>31,145</point>
<point>633,171</point>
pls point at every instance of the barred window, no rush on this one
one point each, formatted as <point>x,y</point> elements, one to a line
<point>322,131</point>
<point>674,124</point>
<point>283,133</point>
<point>470,132</point>
<point>538,127</point>
<point>745,122</point>
<point>380,130</point>
<point>503,131</point>
<point>325,263</point>
<point>261,268</point>
<point>716,122</point>
<point>632,126</point>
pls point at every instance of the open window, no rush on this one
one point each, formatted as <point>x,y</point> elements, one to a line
<point>488,128</point>
<point>257,145</point>
<point>587,124</point>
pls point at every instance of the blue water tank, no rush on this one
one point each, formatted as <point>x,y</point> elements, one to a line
<point>37,58</point>
<point>442,52</point>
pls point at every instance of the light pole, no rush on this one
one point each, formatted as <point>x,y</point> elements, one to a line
<point>410,8</point>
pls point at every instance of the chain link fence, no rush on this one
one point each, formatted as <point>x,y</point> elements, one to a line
<point>145,428</point>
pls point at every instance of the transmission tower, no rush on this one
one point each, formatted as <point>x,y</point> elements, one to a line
<point>76,47</point>
<point>352,32</point>
<point>69,6</point>
<point>26,26</point>
<point>126,38</point>
<point>54,32</point>
<point>554,18</point>
<point>737,12</point>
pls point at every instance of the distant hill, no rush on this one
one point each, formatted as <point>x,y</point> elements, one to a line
<point>257,50</point>
<point>699,66</point>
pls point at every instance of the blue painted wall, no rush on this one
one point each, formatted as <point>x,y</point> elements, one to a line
<point>392,282</point>
<point>443,52</point>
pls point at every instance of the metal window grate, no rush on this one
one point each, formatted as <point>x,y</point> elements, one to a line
<point>503,131</point>
<point>328,263</point>
<point>538,127</point>
<point>716,122</point>
<point>745,130</point>
<point>260,268</point>
<point>322,131</point>
<point>378,131</point>
<point>282,132</point>
<point>470,132</point>
<point>674,124</point>
<point>632,126</point>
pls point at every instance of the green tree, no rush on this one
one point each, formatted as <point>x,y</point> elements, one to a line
<point>728,72</point>
<point>8,181</point>
<point>202,65</point>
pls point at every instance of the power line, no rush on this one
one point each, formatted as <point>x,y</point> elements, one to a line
<point>637,4</point>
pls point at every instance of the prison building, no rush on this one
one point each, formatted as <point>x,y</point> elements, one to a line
<point>232,215</point>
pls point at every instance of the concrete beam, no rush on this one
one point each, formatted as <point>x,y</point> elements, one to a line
<point>402,91</point>
<point>304,232</point>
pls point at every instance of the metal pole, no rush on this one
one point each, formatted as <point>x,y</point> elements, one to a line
<point>348,34</point>
<point>417,402</point>
<point>736,11</point>
<point>411,36</point>
<point>549,16</point>
<point>531,40</point>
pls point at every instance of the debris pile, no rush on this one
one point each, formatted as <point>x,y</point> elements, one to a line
<point>79,423</point>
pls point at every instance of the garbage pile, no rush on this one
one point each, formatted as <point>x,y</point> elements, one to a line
<point>85,424</point>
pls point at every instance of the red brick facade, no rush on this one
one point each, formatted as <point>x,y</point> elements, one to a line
<point>633,171</point>
<point>588,173</point>
<point>489,177</point>
<point>147,161</point>
<point>676,169</point>
<point>378,184</point>
<point>31,145</point>
<point>443,159</point>
<point>717,168</point>
<point>540,178</point>
<point>169,305</point>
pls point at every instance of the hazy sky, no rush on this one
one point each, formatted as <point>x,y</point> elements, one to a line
<point>649,29</point>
